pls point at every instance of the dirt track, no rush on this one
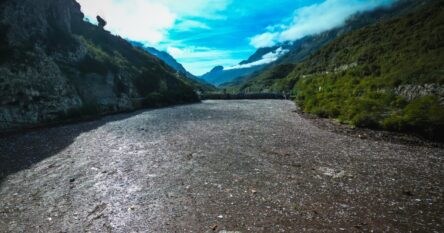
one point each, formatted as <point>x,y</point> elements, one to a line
<point>248,166</point>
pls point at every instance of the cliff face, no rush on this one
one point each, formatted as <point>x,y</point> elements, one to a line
<point>53,66</point>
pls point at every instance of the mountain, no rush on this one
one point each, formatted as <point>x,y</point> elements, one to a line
<point>168,59</point>
<point>54,66</point>
<point>261,52</point>
<point>388,75</point>
<point>258,61</point>
<point>261,81</point>
<point>199,84</point>
<point>202,85</point>
<point>302,49</point>
<point>218,75</point>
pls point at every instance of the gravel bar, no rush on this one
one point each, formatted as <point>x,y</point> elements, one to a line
<point>217,166</point>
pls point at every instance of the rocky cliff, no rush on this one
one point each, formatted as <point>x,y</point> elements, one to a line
<point>54,66</point>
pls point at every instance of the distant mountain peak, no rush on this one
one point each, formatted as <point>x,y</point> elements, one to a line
<point>176,66</point>
<point>217,69</point>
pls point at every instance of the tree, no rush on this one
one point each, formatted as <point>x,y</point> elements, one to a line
<point>101,21</point>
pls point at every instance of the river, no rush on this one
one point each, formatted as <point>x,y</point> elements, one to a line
<point>217,166</point>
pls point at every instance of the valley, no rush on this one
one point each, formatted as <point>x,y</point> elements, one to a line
<point>218,166</point>
<point>221,116</point>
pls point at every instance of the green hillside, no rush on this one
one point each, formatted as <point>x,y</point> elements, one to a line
<point>263,81</point>
<point>304,48</point>
<point>389,75</point>
<point>154,80</point>
<point>300,50</point>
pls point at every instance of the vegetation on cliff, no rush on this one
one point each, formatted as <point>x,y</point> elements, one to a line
<point>302,49</point>
<point>152,77</point>
<point>355,77</point>
<point>384,70</point>
<point>54,65</point>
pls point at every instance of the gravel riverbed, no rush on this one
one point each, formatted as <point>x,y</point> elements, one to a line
<point>217,166</point>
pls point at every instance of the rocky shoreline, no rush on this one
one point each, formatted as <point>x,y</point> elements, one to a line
<point>369,134</point>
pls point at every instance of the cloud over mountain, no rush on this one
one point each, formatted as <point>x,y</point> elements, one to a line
<point>205,33</point>
<point>266,59</point>
<point>314,19</point>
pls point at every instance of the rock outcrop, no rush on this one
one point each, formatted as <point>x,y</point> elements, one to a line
<point>54,66</point>
<point>412,92</point>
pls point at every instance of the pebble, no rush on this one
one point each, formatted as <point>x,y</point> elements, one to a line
<point>235,164</point>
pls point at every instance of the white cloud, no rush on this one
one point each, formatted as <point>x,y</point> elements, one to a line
<point>267,39</point>
<point>209,9</point>
<point>188,25</point>
<point>193,52</point>
<point>142,21</point>
<point>199,68</point>
<point>175,52</point>
<point>266,59</point>
<point>314,19</point>
<point>148,21</point>
<point>199,60</point>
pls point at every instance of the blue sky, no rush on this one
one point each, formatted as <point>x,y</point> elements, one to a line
<point>201,34</point>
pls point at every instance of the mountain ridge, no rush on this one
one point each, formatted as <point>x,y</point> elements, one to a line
<point>201,84</point>
<point>55,66</point>
<point>218,75</point>
<point>303,48</point>
<point>386,76</point>
<point>256,62</point>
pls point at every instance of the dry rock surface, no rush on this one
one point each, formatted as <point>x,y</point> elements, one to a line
<point>218,166</point>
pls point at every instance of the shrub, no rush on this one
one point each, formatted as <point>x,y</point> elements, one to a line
<point>387,55</point>
<point>424,115</point>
